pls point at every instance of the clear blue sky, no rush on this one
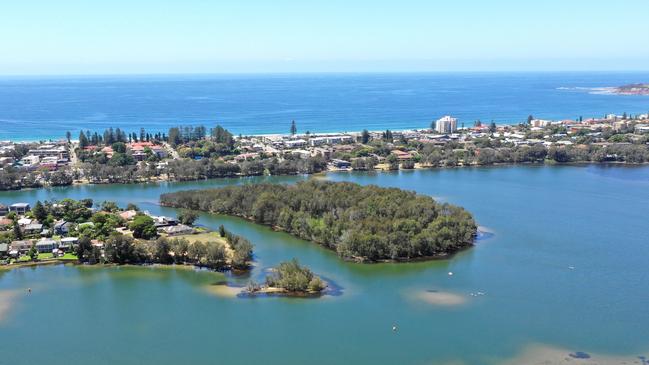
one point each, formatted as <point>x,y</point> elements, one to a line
<point>194,36</point>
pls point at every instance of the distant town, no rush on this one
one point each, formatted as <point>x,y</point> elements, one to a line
<point>195,152</point>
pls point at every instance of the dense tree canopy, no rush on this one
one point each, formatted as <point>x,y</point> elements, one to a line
<point>291,276</point>
<point>366,223</point>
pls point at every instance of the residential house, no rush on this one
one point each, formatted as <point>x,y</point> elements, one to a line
<point>4,209</point>
<point>296,143</point>
<point>62,228</point>
<point>20,246</point>
<point>341,164</point>
<point>20,208</point>
<point>33,228</point>
<point>162,221</point>
<point>402,155</point>
<point>128,214</point>
<point>177,230</point>
<point>30,161</point>
<point>46,245</point>
<point>4,249</point>
<point>25,221</point>
<point>68,243</point>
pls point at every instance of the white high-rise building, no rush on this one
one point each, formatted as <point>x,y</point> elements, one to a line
<point>446,124</point>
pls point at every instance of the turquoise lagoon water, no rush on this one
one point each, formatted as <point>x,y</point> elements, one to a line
<point>567,266</point>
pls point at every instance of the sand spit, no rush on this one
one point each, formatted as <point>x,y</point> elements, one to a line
<point>539,354</point>
<point>222,290</point>
<point>7,301</point>
<point>439,298</point>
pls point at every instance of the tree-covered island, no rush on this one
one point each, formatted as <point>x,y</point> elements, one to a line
<point>289,278</point>
<point>361,223</point>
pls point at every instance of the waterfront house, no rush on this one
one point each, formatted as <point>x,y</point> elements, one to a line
<point>341,164</point>
<point>46,245</point>
<point>162,221</point>
<point>177,230</point>
<point>401,155</point>
<point>68,243</point>
<point>3,209</point>
<point>19,208</point>
<point>20,246</point>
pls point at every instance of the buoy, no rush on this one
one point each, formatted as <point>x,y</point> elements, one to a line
<point>394,328</point>
<point>29,290</point>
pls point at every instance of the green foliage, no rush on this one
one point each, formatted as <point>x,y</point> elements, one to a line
<point>360,222</point>
<point>365,136</point>
<point>291,276</point>
<point>143,226</point>
<point>120,249</point>
<point>32,253</point>
<point>242,250</point>
<point>39,211</point>
<point>187,216</point>
<point>109,206</point>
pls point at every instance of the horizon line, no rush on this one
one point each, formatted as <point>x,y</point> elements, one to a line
<point>315,72</point>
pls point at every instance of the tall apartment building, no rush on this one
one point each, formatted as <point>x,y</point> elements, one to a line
<point>446,124</point>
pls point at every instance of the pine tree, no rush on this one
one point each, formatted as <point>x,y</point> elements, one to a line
<point>365,136</point>
<point>293,128</point>
<point>83,140</point>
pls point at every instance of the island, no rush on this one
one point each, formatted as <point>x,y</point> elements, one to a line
<point>361,223</point>
<point>289,278</point>
<point>633,89</point>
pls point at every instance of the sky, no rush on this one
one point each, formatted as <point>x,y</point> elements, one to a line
<point>42,37</point>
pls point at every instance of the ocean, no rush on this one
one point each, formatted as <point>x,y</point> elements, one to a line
<point>33,108</point>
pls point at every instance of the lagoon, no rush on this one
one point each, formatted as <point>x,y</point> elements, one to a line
<point>565,270</point>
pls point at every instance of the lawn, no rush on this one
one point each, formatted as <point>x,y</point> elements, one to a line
<point>44,256</point>
<point>69,256</point>
<point>202,237</point>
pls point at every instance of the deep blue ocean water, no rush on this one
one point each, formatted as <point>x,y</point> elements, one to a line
<point>46,107</point>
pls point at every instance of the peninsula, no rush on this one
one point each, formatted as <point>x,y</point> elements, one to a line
<point>75,231</point>
<point>361,223</point>
<point>633,89</point>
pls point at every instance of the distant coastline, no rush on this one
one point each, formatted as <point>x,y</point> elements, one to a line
<point>633,89</point>
<point>263,104</point>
